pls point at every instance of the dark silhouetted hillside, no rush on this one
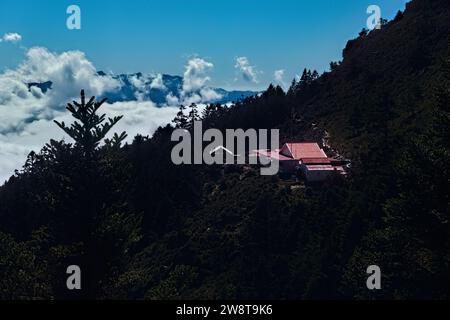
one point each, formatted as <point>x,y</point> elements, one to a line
<point>145,228</point>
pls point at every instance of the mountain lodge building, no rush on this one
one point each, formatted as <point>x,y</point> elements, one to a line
<point>306,158</point>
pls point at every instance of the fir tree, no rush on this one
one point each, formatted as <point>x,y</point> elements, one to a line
<point>88,130</point>
<point>181,119</point>
<point>193,114</point>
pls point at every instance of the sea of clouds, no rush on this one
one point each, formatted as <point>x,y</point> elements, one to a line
<point>27,113</point>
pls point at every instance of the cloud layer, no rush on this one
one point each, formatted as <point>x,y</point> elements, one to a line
<point>21,104</point>
<point>27,111</point>
<point>246,70</point>
<point>36,92</point>
<point>195,80</point>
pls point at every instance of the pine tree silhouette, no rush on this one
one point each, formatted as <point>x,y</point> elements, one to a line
<point>88,130</point>
<point>193,114</point>
<point>181,119</point>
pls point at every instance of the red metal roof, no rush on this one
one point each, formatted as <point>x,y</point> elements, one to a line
<point>305,150</point>
<point>308,153</point>
<point>271,154</point>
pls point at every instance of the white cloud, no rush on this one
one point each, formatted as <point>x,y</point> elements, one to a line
<point>247,71</point>
<point>69,72</point>
<point>27,113</point>
<point>15,146</point>
<point>279,74</point>
<point>279,77</point>
<point>11,37</point>
<point>172,100</point>
<point>195,89</point>
<point>143,84</point>
<point>209,94</point>
<point>158,83</point>
<point>140,117</point>
<point>139,85</point>
<point>195,76</point>
<point>137,81</point>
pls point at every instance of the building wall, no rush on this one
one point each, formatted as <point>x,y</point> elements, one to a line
<point>289,166</point>
<point>317,175</point>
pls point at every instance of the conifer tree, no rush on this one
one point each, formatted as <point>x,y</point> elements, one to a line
<point>88,130</point>
<point>315,75</point>
<point>193,114</point>
<point>180,120</point>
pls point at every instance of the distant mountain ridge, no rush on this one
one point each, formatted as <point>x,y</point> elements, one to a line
<point>155,88</point>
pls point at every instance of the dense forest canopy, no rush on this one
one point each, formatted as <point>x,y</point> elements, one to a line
<point>143,228</point>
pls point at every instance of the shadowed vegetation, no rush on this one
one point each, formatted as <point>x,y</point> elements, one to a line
<point>142,228</point>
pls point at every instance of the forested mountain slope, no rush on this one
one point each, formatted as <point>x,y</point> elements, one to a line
<point>142,227</point>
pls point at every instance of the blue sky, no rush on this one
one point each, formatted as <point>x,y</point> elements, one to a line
<point>161,35</point>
